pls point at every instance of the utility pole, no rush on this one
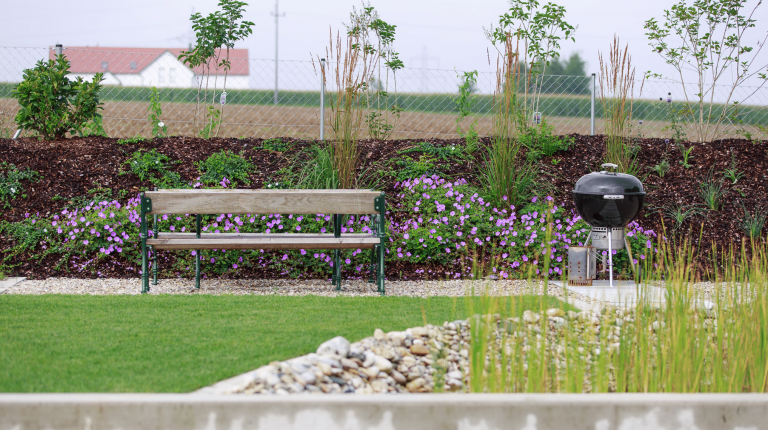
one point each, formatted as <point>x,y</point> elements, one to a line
<point>277,15</point>
<point>426,59</point>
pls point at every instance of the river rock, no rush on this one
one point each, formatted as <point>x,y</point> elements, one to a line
<point>382,364</point>
<point>415,385</point>
<point>370,358</point>
<point>399,377</point>
<point>378,334</point>
<point>420,350</point>
<point>336,346</point>
<point>348,364</point>
<point>531,317</point>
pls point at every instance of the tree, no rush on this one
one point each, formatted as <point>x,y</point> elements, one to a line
<point>540,29</point>
<point>220,28</point>
<point>707,38</point>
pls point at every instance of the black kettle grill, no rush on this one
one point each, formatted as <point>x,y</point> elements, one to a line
<point>607,201</point>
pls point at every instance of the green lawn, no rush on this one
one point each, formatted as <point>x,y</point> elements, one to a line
<point>60,343</point>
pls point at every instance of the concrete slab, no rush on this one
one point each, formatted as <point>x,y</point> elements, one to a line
<point>622,294</point>
<point>7,283</point>
<point>383,411</point>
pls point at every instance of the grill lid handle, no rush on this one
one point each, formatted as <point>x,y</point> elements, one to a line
<point>610,165</point>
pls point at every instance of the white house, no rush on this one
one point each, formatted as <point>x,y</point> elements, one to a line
<point>158,67</point>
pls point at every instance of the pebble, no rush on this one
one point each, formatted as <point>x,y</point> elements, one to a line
<point>420,350</point>
<point>382,364</point>
<point>286,287</point>
<point>336,346</point>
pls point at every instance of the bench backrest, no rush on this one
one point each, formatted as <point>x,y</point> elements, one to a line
<point>263,201</point>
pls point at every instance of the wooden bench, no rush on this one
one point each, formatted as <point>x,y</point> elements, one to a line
<point>214,202</point>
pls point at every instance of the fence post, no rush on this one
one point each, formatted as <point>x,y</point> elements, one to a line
<point>592,127</point>
<point>322,99</point>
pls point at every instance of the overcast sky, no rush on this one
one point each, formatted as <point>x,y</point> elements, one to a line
<point>443,34</point>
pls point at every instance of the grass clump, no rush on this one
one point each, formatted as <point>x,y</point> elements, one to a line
<point>688,345</point>
<point>508,178</point>
<point>313,168</point>
<point>225,167</point>
<point>617,83</point>
<point>712,192</point>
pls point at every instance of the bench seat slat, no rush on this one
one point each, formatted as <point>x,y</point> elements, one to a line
<point>271,242</point>
<point>239,201</point>
<point>174,235</point>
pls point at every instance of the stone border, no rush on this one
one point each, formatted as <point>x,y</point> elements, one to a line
<point>384,412</point>
<point>7,283</point>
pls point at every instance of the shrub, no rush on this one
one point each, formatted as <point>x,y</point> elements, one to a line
<point>10,182</point>
<point>153,166</point>
<point>132,140</point>
<point>51,104</point>
<point>449,224</point>
<point>275,145</point>
<point>105,233</point>
<point>445,153</point>
<point>225,165</point>
<point>541,141</point>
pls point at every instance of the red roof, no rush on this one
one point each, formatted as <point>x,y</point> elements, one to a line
<point>134,60</point>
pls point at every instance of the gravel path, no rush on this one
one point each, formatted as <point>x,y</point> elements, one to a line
<point>284,287</point>
<point>288,287</point>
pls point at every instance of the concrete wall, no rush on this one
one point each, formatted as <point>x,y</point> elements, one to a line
<point>383,412</point>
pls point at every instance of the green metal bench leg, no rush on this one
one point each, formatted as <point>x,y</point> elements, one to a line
<point>380,278</point>
<point>336,272</point>
<point>154,251</point>
<point>154,266</point>
<point>197,254</point>
<point>337,269</point>
<point>146,206</point>
<point>144,268</point>
<point>372,267</point>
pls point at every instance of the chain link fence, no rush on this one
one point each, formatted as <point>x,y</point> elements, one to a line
<point>258,105</point>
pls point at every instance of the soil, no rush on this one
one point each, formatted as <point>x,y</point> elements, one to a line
<point>71,167</point>
<point>124,118</point>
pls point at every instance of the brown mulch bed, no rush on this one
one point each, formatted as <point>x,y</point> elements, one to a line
<point>71,167</point>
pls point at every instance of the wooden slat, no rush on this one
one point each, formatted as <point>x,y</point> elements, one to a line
<point>175,235</point>
<point>262,201</point>
<point>266,243</point>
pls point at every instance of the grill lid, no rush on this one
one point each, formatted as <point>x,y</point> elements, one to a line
<point>609,184</point>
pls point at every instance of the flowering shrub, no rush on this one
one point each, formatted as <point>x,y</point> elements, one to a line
<point>444,226</point>
<point>451,221</point>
